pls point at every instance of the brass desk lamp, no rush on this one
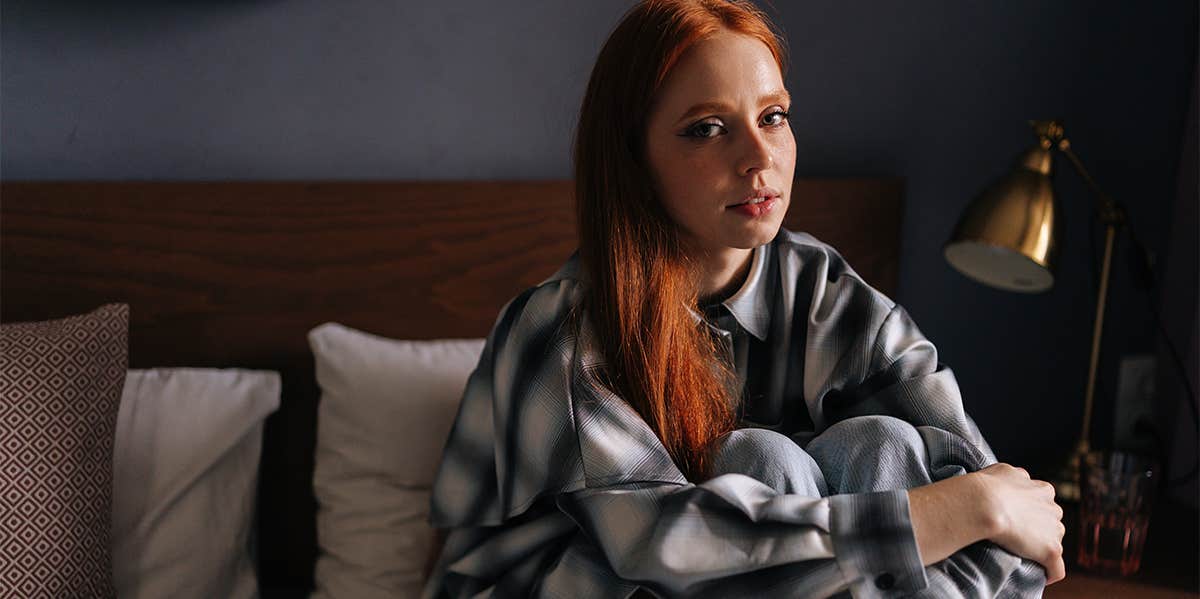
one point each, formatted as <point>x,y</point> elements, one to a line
<point>1009,236</point>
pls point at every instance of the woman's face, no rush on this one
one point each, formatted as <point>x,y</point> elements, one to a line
<point>718,137</point>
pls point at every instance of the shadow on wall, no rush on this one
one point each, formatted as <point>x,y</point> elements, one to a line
<point>1181,315</point>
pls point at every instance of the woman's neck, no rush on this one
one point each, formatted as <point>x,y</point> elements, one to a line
<point>722,273</point>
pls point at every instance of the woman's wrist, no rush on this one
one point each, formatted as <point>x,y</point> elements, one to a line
<point>986,516</point>
<point>951,514</point>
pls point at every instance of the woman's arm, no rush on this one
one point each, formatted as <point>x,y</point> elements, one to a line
<point>733,535</point>
<point>999,503</point>
<point>865,355</point>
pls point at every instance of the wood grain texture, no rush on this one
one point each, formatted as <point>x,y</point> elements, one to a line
<point>236,274</point>
<point>1089,586</point>
<point>242,270</point>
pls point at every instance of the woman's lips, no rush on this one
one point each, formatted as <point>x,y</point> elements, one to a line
<point>755,210</point>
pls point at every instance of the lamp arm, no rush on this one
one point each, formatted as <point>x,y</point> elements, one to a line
<point>1109,210</point>
<point>1113,216</point>
<point>1097,334</point>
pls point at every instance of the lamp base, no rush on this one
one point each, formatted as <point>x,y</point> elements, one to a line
<point>1066,482</point>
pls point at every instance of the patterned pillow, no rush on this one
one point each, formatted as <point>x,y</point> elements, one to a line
<point>60,387</point>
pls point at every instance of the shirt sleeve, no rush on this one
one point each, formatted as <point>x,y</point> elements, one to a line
<point>735,536</point>
<point>513,439</point>
<point>865,355</point>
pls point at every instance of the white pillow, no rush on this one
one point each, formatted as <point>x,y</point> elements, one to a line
<point>385,412</point>
<point>185,472</point>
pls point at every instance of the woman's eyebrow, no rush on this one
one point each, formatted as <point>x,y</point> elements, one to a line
<point>777,97</point>
<point>704,108</point>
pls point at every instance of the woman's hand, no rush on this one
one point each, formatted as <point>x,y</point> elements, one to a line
<point>1022,517</point>
<point>999,503</point>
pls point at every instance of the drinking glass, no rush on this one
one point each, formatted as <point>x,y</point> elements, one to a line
<point>1116,491</point>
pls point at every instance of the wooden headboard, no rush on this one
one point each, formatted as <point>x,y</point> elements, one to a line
<point>235,274</point>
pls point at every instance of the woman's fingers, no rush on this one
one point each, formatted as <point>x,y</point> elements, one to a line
<point>1056,570</point>
<point>1052,559</point>
<point>1046,488</point>
<point>1034,528</point>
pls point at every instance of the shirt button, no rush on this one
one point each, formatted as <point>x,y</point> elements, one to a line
<point>885,581</point>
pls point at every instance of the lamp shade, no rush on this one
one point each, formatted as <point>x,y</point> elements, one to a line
<point>1008,236</point>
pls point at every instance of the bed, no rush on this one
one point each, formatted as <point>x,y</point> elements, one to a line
<point>235,274</point>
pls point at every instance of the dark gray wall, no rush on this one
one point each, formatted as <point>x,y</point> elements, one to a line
<point>935,91</point>
<point>304,89</point>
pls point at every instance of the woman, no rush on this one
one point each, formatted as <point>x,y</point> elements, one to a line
<point>700,403</point>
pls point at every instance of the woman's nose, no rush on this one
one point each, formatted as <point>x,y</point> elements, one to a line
<point>755,155</point>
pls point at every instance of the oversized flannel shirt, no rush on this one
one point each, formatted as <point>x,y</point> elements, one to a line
<point>553,486</point>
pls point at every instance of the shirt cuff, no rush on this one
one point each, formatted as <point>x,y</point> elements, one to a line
<point>874,544</point>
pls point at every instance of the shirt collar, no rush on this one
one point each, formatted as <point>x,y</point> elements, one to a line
<point>749,305</point>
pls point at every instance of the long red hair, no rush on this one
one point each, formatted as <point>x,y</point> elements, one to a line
<point>641,280</point>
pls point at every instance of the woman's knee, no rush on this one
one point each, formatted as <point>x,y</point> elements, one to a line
<point>769,457</point>
<point>874,430</point>
<point>871,453</point>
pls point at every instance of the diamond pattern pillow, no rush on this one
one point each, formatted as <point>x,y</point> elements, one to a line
<point>60,387</point>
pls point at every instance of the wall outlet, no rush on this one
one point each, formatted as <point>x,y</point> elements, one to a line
<point>1135,401</point>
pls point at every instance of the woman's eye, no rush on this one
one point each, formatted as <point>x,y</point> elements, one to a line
<point>777,117</point>
<point>704,130</point>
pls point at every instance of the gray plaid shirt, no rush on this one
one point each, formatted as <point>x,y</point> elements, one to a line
<point>554,486</point>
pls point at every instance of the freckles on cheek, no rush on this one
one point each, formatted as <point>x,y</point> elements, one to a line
<point>786,148</point>
<point>689,170</point>
<point>694,165</point>
<point>677,166</point>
